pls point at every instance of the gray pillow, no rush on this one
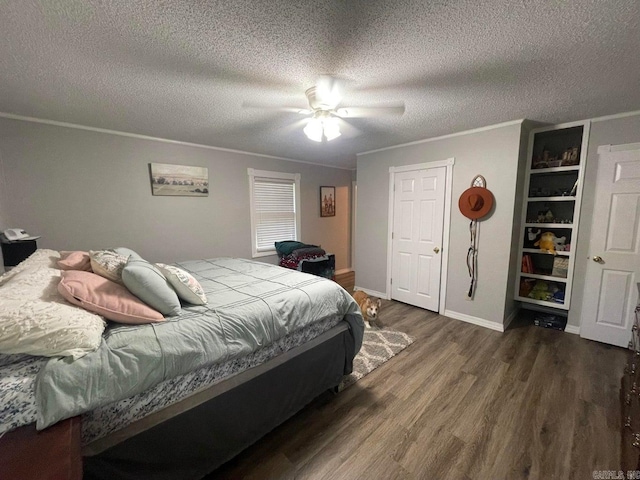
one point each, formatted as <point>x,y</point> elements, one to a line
<point>147,283</point>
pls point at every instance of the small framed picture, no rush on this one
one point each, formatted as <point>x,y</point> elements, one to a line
<point>327,201</point>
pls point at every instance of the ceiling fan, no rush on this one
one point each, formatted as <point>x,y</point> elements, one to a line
<point>325,115</point>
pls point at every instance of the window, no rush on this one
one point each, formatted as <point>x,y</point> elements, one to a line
<point>275,209</point>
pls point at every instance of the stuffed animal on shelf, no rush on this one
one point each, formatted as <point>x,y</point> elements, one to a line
<point>543,290</point>
<point>560,243</point>
<point>548,242</point>
<point>533,233</point>
<point>558,297</point>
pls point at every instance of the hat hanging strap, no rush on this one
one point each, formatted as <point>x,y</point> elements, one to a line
<point>472,253</point>
<point>479,181</point>
<point>472,256</point>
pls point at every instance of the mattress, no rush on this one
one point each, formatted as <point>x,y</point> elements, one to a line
<point>17,398</point>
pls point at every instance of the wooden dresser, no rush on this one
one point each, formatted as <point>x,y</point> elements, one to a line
<point>630,399</point>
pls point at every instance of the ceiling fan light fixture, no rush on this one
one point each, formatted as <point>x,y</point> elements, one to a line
<point>331,128</point>
<point>313,130</point>
<point>322,125</point>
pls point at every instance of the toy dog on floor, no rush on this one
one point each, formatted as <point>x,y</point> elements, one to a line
<point>368,307</point>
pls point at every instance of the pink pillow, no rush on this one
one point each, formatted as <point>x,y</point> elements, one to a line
<point>75,261</point>
<point>105,297</point>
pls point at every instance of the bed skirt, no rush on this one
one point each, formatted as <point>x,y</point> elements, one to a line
<point>202,432</point>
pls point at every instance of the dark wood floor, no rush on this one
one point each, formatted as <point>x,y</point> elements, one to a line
<point>462,402</point>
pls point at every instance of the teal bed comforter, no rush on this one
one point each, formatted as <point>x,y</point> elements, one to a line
<point>250,305</point>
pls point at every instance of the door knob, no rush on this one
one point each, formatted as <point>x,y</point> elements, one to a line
<point>597,259</point>
<point>436,249</point>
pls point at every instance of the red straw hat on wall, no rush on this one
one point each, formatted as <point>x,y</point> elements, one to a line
<point>475,202</point>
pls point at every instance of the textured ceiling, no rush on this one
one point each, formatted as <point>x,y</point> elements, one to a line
<point>182,69</point>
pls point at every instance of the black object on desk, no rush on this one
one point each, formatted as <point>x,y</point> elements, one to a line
<point>15,252</point>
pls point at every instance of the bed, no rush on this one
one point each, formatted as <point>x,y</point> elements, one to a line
<point>179,397</point>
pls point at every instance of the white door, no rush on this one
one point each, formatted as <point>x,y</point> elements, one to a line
<point>418,216</point>
<point>613,269</point>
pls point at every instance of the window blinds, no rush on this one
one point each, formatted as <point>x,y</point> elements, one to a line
<point>275,211</point>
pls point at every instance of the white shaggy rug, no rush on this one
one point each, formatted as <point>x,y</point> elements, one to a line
<point>378,346</point>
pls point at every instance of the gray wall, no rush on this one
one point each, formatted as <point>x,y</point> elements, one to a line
<point>4,216</point>
<point>511,306</point>
<point>603,132</point>
<point>492,153</point>
<point>82,189</point>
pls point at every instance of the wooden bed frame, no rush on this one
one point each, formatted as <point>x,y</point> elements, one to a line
<point>194,436</point>
<point>51,454</point>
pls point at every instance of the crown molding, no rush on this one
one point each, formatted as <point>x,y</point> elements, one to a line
<point>450,135</point>
<point>616,116</point>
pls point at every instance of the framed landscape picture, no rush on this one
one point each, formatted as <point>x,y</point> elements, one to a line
<point>179,180</point>
<point>327,201</point>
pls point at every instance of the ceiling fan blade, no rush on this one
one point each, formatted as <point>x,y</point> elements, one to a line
<point>329,91</point>
<point>294,127</point>
<point>277,108</point>
<point>382,111</point>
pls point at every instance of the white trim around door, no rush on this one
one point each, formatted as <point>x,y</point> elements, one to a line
<point>448,163</point>
<point>354,209</point>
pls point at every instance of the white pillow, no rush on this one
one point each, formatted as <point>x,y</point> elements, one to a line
<point>187,287</point>
<point>35,319</point>
<point>108,264</point>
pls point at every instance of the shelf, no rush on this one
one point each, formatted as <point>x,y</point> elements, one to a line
<point>548,278</point>
<point>542,302</point>
<point>550,225</point>
<point>546,204</point>
<point>571,168</point>
<point>565,198</point>
<point>544,252</point>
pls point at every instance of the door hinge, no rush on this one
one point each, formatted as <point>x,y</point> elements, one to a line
<point>391,281</point>
<point>391,235</point>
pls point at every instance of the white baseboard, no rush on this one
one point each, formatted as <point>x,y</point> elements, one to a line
<point>373,293</point>
<point>572,329</point>
<point>343,271</point>
<point>475,320</point>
